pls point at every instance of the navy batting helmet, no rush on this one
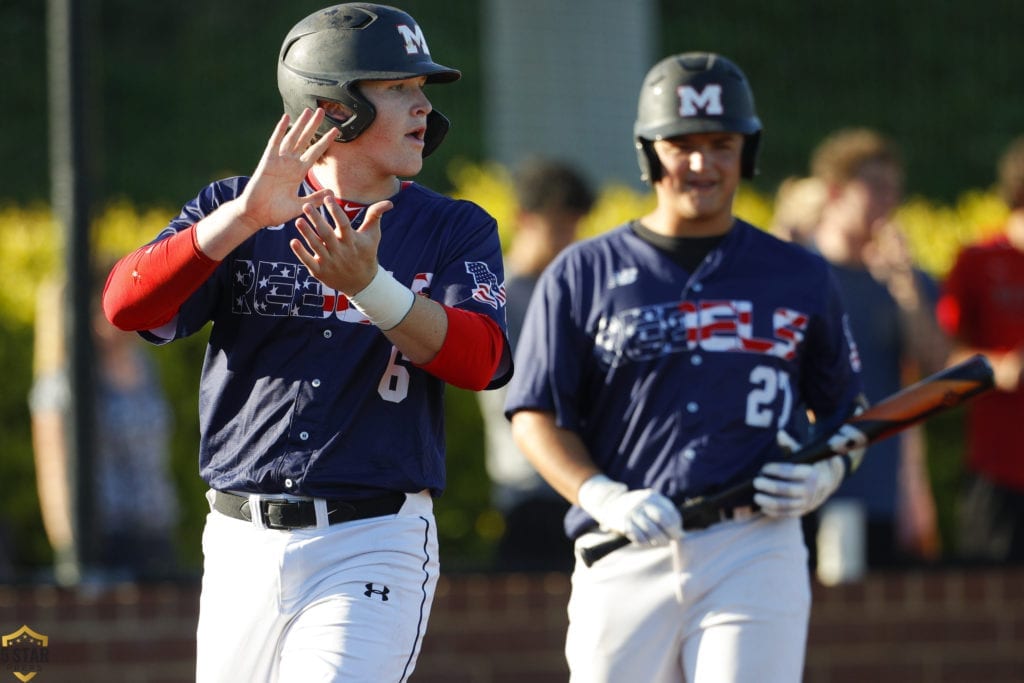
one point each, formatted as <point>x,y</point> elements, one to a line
<point>325,55</point>
<point>694,92</point>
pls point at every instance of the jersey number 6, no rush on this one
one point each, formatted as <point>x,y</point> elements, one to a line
<point>394,383</point>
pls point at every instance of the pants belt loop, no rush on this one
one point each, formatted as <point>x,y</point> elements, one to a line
<point>256,510</point>
<point>743,512</point>
<point>320,506</point>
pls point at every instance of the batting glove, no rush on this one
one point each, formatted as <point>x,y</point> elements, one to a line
<point>785,489</point>
<point>644,516</point>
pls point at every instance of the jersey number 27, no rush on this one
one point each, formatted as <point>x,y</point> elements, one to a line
<point>770,384</point>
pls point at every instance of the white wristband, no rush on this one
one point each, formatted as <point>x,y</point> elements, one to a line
<point>385,301</point>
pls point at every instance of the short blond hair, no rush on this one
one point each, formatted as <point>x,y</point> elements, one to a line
<point>839,158</point>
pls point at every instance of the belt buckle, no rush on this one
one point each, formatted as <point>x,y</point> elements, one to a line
<point>264,519</point>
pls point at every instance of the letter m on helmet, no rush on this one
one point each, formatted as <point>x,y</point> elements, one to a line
<point>691,102</point>
<point>415,43</point>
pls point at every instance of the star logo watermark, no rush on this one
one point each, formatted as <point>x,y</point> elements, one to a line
<point>24,653</point>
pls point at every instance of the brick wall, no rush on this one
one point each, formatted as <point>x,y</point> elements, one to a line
<point>932,627</point>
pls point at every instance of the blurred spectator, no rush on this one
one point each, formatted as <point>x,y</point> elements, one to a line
<point>797,210</point>
<point>891,305</point>
<point>551,200</point>
<point>982,307</point>
<point>136,508</point>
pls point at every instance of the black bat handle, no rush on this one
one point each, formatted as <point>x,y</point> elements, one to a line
<point>697,509</point>
<point>591,554</point>
<point>695,514</point>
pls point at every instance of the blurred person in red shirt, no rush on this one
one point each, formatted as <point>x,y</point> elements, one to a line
<point>982,307</point>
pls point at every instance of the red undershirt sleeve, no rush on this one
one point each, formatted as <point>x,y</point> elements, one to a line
<point>146,288</point>
<point>471,352</point>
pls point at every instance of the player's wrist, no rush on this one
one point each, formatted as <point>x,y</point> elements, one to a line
<point>239,214</point>
<point>595,493</point>
<point>385,301</point>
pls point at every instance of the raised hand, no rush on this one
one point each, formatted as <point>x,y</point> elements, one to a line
<point>270,198</point>
<point>887,257</point>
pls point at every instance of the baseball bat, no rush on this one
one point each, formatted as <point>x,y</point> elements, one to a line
<point>934,394</point>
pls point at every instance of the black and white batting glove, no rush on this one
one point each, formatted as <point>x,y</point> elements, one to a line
<point>644,516</point>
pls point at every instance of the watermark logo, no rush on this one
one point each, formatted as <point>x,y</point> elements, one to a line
<point>24,652</point>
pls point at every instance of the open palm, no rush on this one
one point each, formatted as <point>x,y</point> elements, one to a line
<point>270,197</point>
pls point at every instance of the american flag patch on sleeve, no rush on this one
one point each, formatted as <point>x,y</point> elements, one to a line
<point>486,288</point>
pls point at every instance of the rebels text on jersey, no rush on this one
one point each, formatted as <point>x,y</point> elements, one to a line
<point>299,392</point>
<point>680,381</point>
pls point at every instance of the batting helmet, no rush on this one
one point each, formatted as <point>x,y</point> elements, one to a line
<point>694,92</point>
<point>326,54</point>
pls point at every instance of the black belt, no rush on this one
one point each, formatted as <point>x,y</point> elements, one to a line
<point>697,518</point>
<point>279,513</point>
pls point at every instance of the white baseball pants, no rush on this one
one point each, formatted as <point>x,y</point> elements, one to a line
<point>348,602</point>
<point>727,604</point>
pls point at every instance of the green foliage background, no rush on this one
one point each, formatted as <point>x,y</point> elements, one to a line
<point>468,525</point>
<point>182,93</point>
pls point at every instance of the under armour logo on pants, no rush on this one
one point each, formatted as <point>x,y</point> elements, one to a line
<point>382,591</point>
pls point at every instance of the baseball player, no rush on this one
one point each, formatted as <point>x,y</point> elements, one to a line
<point>662,361</point>
<point>343,299</point>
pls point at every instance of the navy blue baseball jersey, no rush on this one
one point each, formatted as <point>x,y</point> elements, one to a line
<point>299,392</point>
<point>680,381</point>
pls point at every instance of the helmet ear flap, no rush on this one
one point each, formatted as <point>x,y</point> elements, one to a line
<point>748,160</point>
<point>362,113</point>
<point>437,127</point>
<point>647,159</point>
